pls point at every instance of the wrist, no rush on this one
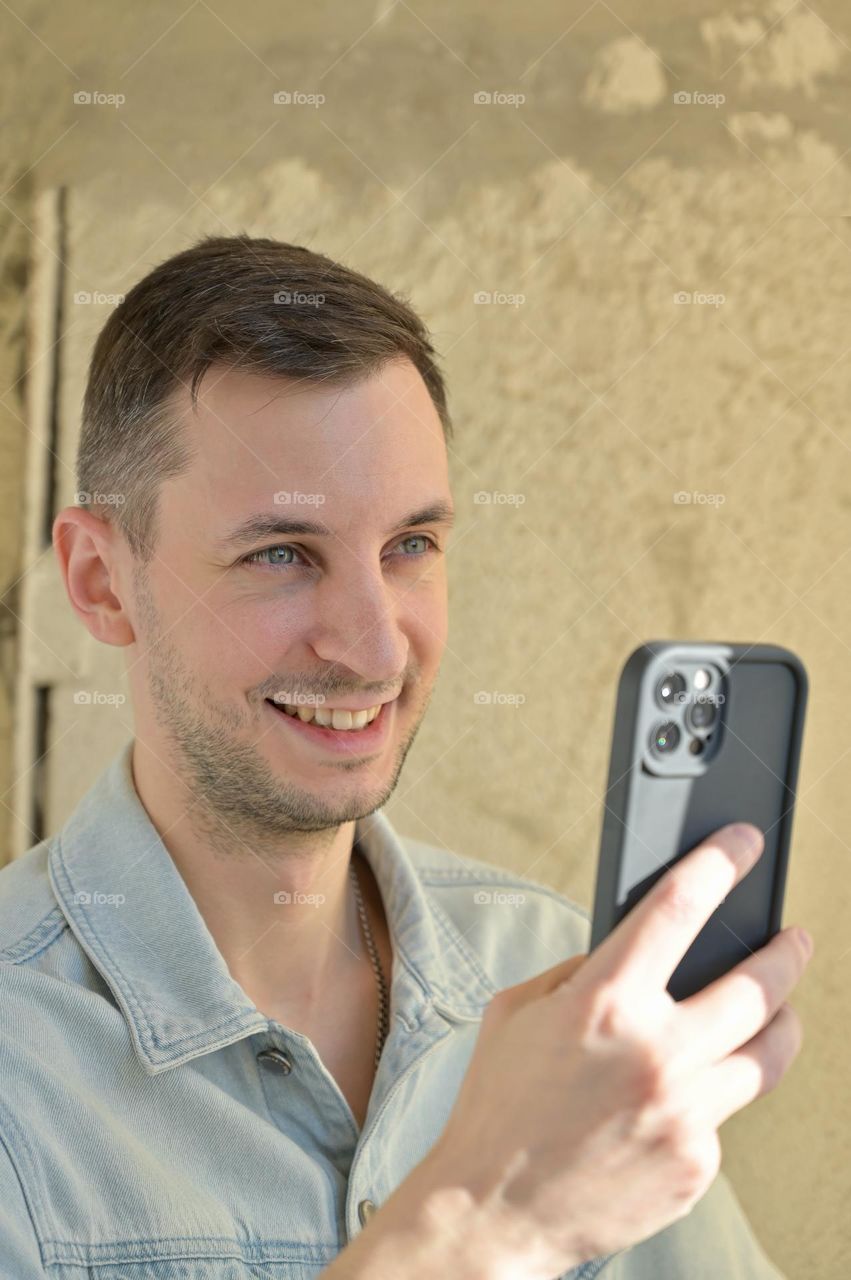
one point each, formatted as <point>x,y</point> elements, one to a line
<point>437,1226</point>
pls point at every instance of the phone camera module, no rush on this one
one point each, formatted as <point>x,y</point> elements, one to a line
<point>665,738</point>
<point>670,689</point>
<point>702,714</point>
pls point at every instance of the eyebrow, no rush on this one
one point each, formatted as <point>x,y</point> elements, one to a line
<point>265,525</point>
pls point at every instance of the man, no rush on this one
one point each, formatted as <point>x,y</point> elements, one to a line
<point>241,1017</point>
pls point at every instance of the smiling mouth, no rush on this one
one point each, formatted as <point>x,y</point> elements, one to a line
<point>329,717</point>
<point>370,738</point>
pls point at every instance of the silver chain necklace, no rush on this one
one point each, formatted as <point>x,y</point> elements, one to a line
<point>383,999</point>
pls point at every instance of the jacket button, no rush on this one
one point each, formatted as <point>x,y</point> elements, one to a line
<point>276,1058</point>
<point>366,1209</point>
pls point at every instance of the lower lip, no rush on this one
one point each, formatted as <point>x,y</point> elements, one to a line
<point>347,742</point>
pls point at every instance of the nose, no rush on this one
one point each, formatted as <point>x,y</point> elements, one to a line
<point>357,624</point>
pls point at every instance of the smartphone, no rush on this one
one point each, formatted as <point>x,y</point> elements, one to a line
<point>705,733</point>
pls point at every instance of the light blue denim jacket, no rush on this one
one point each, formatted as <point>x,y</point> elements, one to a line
<point>142,1134</point>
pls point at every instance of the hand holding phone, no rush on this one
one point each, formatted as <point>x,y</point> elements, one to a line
<point>607,1092</point>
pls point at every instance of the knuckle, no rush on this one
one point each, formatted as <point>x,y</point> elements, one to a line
<point>697,1165</point>
<point>609,1016</point>
<point>677,899</point>
<point>675,1135</point>
<point>653,1074</point>
<point>599,1010</point>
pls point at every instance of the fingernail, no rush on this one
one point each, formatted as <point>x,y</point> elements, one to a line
<point>807,941</point>
<point>745,840</point>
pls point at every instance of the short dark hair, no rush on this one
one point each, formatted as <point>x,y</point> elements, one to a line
<point>257,304</point>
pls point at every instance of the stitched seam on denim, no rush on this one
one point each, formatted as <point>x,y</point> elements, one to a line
<point>39,938</point>
<point>456,938</point>
<point>366,1134</point>
<point>462,878</point>
<point>115,970</point>
<point>72,1252</point>
<point>34,1201</point>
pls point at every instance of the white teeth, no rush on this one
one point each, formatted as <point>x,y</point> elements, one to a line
<point>331,717</point>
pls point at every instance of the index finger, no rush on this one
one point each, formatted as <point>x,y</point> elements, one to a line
<point>648,944</point>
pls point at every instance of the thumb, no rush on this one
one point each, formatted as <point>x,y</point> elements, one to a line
<point>543,984</point>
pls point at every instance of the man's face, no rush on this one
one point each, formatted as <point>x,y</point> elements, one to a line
<point>350,619</point>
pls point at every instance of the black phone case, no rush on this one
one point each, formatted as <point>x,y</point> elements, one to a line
<point>650,820</point>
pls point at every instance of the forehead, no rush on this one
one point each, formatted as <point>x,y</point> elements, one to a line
<point>340,450</point>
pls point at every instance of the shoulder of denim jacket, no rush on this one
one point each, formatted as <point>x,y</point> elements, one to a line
<point>30,916</point>
<point>516,926</point>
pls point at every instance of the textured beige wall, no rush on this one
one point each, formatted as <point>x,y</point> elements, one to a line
<point>595,399</point>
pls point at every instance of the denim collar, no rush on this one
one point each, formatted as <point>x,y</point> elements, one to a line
<point>133,915</point>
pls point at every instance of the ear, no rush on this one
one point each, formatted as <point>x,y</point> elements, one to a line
<point>87,549</point>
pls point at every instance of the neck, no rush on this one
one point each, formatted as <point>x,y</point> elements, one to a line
<point>288,954</point>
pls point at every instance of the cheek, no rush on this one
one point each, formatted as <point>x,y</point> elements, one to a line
<point>427,623</point>
<point>248,639</point>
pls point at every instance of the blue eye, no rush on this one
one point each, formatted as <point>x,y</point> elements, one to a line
<point>420,537</point>
<point>255,556</point>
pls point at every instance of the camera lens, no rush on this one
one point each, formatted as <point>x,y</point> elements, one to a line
<point>665,737</point>
<point>702,713</point>
<point>670,688</point>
